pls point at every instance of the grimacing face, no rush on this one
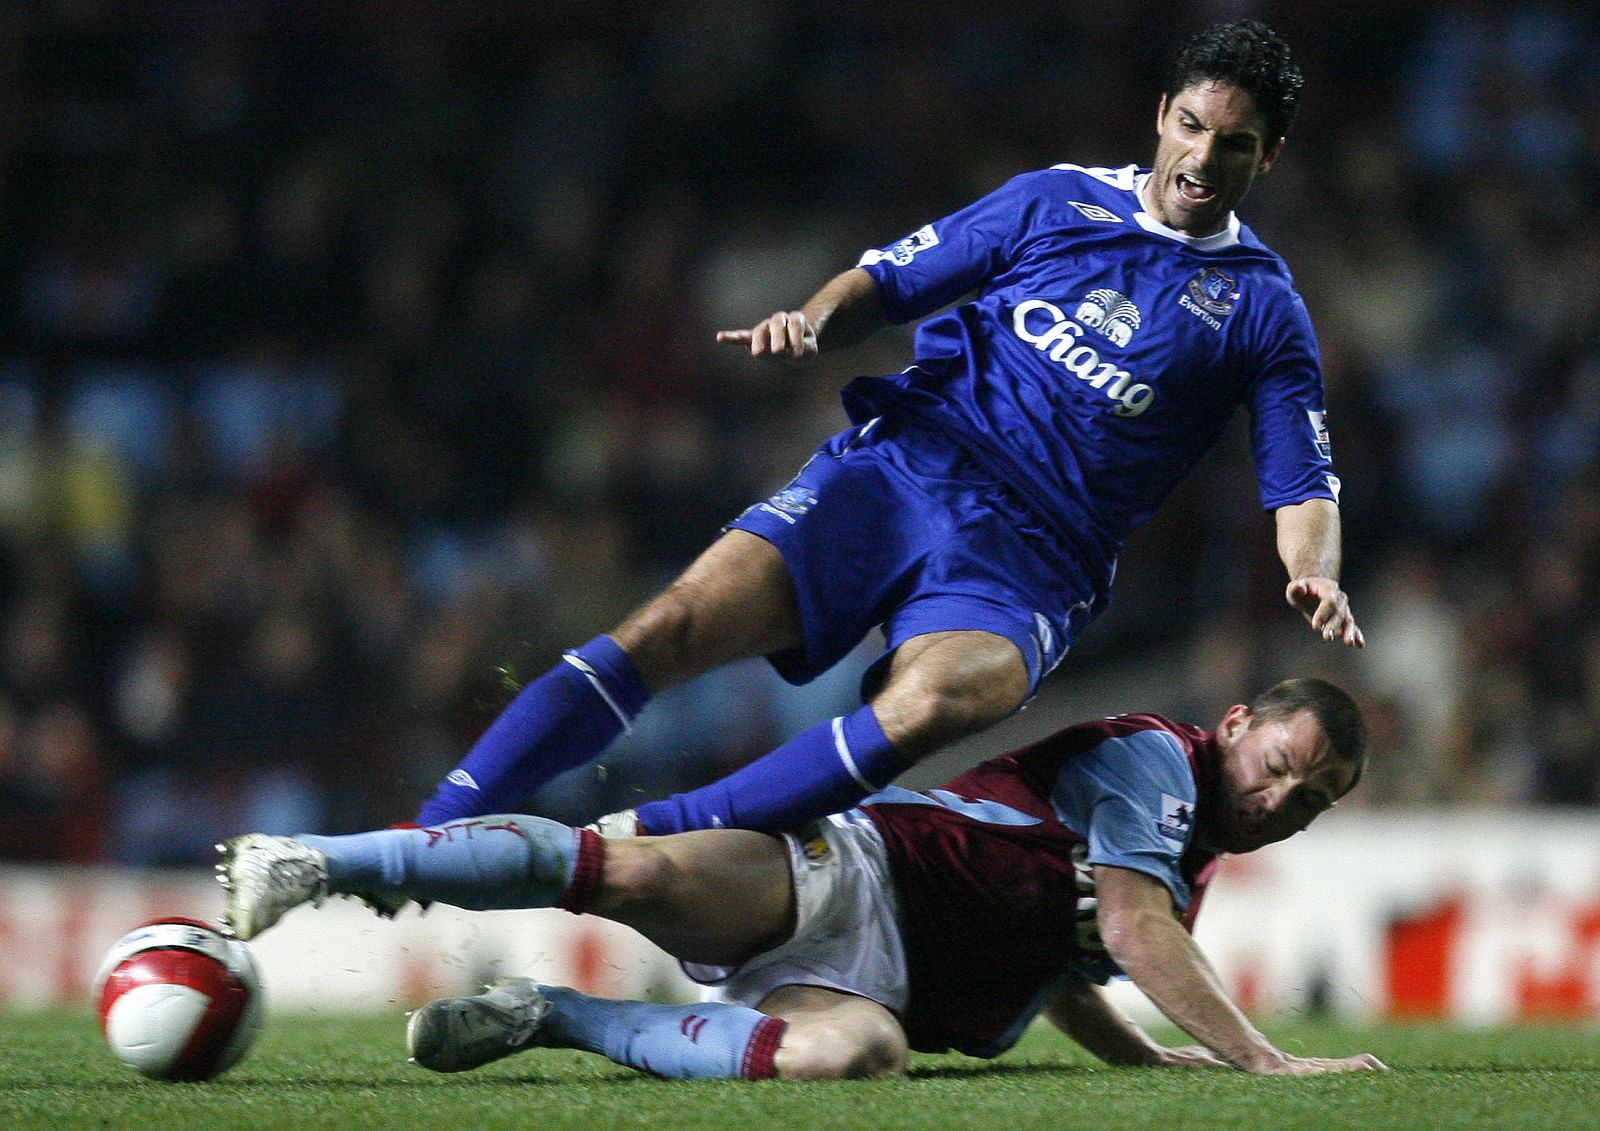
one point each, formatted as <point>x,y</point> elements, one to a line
<point>1211,146</point>
<point>1275,776</point>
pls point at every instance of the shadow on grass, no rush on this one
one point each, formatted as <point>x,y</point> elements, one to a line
<point>1001,1071</point>
<point>248,1084</point>
<point>1073,1071</point>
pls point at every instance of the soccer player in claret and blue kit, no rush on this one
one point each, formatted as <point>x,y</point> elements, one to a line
<point>946,919</point>
<point>975,508</point>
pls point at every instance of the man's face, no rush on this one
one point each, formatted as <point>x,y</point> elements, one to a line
<point>1212,145</point>
<point>1275,777</point>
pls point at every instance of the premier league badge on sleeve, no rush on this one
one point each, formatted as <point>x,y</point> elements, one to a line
<point>902,252</point>
<point>794,500</point>
<point>1177,818</point>
<point>920,240</point>
<point>1319,430</point>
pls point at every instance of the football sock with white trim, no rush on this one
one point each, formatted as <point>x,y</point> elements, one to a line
<point>705,1041</point>
<point>560,720</point>
<point>822,770</point>
<point>482,864</point>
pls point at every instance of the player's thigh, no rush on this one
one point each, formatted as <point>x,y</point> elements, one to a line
<point>832,1035</point>
<point>735,600</point>
<point>716,896</point>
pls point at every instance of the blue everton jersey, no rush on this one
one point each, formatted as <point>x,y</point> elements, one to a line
<point>1103,353</point>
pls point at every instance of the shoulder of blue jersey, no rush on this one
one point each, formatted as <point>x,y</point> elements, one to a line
<point>1099,195</point>
<point>1150,755</point>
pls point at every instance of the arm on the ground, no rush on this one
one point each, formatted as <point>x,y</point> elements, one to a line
<point>1143,936</point>
<point>846,310</point>
<point>1079,1009</point>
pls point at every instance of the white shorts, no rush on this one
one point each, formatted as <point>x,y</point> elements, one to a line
<point>847,922</point>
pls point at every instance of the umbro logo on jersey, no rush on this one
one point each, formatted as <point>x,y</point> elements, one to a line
<point>1095,212</point>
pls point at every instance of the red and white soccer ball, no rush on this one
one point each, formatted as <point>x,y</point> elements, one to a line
<point>178,1000</point>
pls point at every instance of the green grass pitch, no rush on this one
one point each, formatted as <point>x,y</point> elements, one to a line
<point>318,1071</point>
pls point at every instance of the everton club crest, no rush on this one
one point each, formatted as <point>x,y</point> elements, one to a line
<point>1212,291</point>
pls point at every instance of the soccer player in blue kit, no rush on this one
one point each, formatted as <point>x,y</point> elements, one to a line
<point>976,506</point>
<point>946,919</point>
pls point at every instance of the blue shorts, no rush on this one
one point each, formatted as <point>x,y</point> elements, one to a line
<point>894,526</point>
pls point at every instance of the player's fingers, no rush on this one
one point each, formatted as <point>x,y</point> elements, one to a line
<point>734,336</point>
<point>1313,1065</point>
<point>1332,615</point>
<point>796,327</point>
<point>781,327</point>
<point>766,336</point>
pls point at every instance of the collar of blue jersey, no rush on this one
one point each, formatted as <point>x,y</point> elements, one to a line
<point>1214,242</point>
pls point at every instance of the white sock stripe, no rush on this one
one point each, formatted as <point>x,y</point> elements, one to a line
<point>600,689</point>
<point>843,748</point>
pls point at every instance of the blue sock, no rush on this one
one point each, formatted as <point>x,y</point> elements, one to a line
<point>823,770</point>
<point>711,1040</point>
<point>560,720</point>
<point>483,864</point>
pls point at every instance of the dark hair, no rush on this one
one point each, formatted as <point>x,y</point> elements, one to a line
<point>1331,706</point>
<point>1252,57</point>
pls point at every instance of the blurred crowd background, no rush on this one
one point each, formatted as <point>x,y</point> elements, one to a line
<point>357,357</point>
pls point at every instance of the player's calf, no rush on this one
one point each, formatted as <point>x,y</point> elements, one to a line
<point>710,1040</point>
<point>487,863</point>
<point>825,1051</point>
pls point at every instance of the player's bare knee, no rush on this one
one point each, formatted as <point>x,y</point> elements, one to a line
<point>830,1050</point>
<point>920,712</point>
<point>660,637</point>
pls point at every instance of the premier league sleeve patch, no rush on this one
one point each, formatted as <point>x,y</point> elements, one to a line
<point>1175,822</point>
<point>902,252</point>
<point>1319,430</point>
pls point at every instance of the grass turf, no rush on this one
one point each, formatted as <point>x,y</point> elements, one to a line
<point>317,1071</point>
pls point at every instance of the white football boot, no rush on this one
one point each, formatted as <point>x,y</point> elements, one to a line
<point>454,1034</point>
<point>265,877</point>
<point>621,825</point>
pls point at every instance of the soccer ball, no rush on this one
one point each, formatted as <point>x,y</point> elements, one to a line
<point>178,1001</point>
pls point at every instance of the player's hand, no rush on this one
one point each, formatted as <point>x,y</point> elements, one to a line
<point>788,334</point>
<point>1313,1065</point>
<point>1327,607</point>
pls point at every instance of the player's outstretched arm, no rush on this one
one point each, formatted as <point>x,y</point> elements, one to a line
<point>846,310</point>
<point>1078,1008</point>
<point>1309,544</point>
<point>1142,934</point>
